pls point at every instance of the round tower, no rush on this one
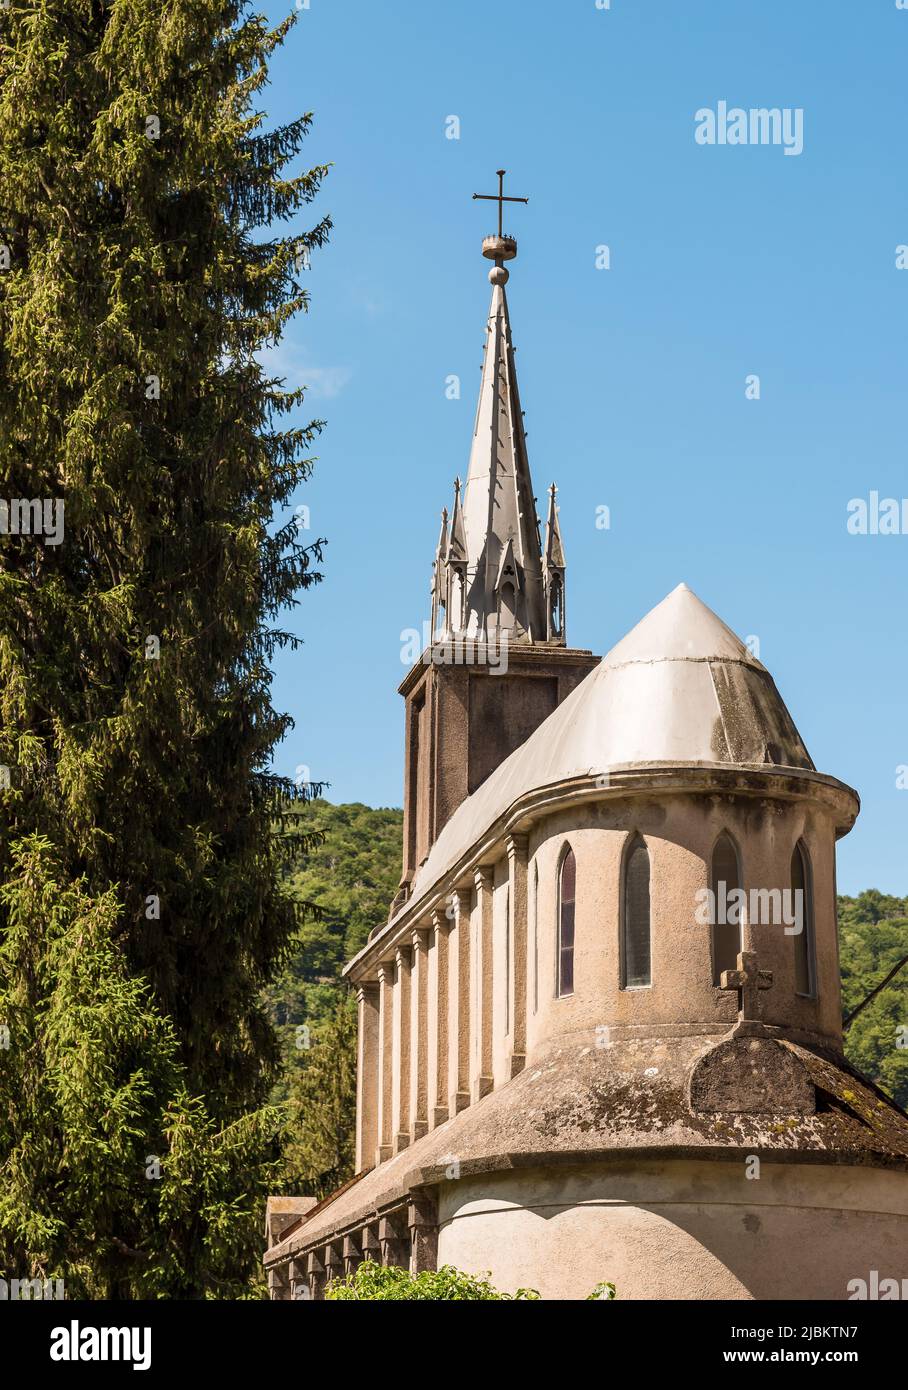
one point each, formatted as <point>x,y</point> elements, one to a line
<point>686,1124</point>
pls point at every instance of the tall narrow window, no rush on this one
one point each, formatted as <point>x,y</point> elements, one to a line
<point>508,606</point>
<point>635,925</point>
<point>802,908</point>
<point>567,888</point>
<point>727,926</point>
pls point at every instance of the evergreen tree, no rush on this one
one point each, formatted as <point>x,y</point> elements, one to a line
<point>115,1179</point>
<point>346,875</point>
<point>140,281</point>
<point>319,1154</point>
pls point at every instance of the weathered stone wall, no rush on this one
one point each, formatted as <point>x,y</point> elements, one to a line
<point>679,1229</point>
<point>680,832</point>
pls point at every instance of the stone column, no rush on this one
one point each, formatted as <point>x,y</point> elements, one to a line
<point>419,1033</point>
<point>401,1048</point>
<point>315,1272</point>
<point>517,897</point>
<point>353,1256</point>
<point>422,1220</point>
<point>334,1260</point>
<point>392,1238</point>
<point>481,1044</point>
<point>368,1070</point>
<point>279,1283</point>
<point>299,1282</point>
<point>385,1059</point>
<point>371,1245</point>
<point>438,1020</point>
<point>459,1006</point>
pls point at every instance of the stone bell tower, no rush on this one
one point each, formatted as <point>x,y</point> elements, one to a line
<point>497,663</point>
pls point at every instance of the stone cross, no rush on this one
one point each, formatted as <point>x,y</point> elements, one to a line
<point>500,197</point>
<point>748,979</point>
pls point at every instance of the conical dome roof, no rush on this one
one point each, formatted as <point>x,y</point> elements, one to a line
<point>679,689</point>
<point>682,687</point>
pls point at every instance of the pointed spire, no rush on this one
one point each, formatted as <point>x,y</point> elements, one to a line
<point>439,578</point>
<point>457,545</point>
<point>442,548</point>
<point>554,546</point>
<point>496,575</point>
<point>499,508</point>
<point>553,574</point>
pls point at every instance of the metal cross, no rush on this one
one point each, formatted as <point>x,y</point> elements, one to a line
<point>748,980</point>
<point>500,197</point>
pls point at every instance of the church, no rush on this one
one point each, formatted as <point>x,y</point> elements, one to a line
<point>600,1034</point>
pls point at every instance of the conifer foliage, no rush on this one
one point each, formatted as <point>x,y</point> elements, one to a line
<point>141,910</point>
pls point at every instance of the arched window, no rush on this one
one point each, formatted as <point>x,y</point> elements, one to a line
<point>556,615</point>
<point>635,918</point>
<point>727,923</point>
<point>508,605</point>
<point>802,908</point>
<point>457,616</point>
<point>567,889</point>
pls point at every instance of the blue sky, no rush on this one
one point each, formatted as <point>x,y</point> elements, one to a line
<point>725,262</point>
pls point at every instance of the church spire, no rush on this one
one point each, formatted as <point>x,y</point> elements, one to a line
<point>496,575</point>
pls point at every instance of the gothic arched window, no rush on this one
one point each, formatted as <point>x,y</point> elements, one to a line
<point>802,908</point>
<point>567,891</point>
<point>508,605</point>
<point>635,918</point>
<point>556,608</point>
<point>727,924</point>
<point>457,614</point>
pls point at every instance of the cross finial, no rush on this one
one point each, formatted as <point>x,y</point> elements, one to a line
<point>748,980</point>
<point>500,198</point>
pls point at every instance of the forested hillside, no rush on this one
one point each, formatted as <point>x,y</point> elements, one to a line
<point>873,936</point>
<point>351,877</point>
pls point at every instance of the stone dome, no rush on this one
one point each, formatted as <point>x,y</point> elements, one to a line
<point>679,690</point>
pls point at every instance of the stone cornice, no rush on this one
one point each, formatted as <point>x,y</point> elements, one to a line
<point>521,655</point>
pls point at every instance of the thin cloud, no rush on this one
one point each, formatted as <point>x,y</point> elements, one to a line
<point>289,362</point>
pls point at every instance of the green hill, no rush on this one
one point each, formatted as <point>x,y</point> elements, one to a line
<point>873,935</point>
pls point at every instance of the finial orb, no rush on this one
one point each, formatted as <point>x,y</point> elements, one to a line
<point>498,275</point>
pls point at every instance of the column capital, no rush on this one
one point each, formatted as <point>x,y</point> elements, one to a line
<point>517,845</point>
<point>367,989</point>
<point>460,899</point>
<point>483,875</point>
<point>419,936</point>
<point>441,922</point>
